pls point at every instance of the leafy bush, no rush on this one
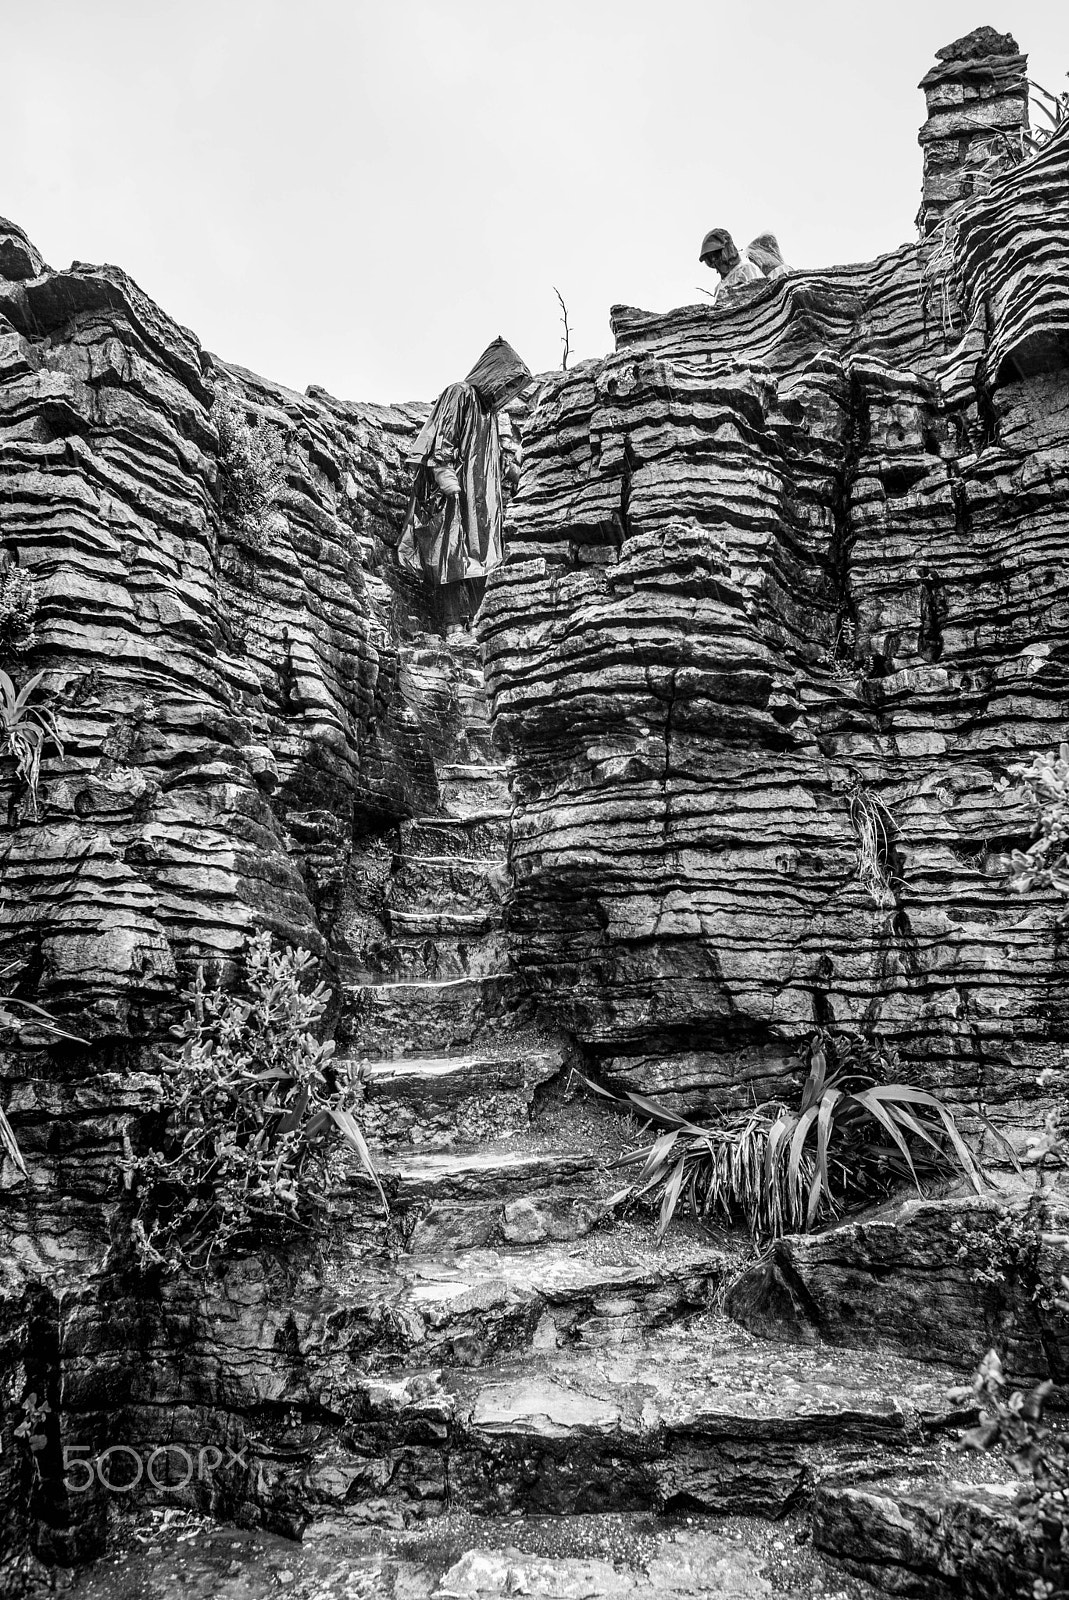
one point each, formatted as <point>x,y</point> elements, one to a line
<point>24,731</point>
<point>1039,1455</point>
<point>1045,864</point>
<point>780,1169</point>
<point>18,610</point>
<point>250,1102</point>
<point>252,475</point>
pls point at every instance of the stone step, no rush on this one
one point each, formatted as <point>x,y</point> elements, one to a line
<point>479,836</point>
<point>444,1080</point>
<point>518,1191</point>
<point>427,923</point>
<point>438,1099</point>
<point>694,1418</point>
<point>429,1016</point>
<point>477,1305</point>
<point>458,770</point>
<point>467,882</point>
<point>469,796</point>
<point>457,1556</point>
<point>494,1172</point>
<point>433,958</point>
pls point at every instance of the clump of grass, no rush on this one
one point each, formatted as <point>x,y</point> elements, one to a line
<point>252,475</point>
<point>876,830</point>
<point>784,1169</point>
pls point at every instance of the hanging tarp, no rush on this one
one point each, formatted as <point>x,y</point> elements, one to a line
<point>455,536</point>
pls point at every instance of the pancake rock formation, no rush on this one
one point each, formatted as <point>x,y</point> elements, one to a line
<point>787,601</point>
<point>786,604</point>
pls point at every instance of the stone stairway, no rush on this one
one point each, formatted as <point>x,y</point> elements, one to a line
<point>545,1357</point>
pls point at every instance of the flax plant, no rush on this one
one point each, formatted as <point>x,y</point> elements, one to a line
<point>783,1169</point>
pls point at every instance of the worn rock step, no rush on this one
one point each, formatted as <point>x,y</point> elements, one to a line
<point>437,1098</point>
<point>478,1303</point>
<point>497,1195</point>
<point>457,771</point>
<point>430,958</point>
<point>449,880</point>
<point>481,836</point>
<point>692,1419</point>
<point>494,1171</point>
<point>443,1080</point>
<point>711,1567</point>
<point>475,798</point>
<point>447,923</point>
<point>460,1557</point>
<point>427,1017</point>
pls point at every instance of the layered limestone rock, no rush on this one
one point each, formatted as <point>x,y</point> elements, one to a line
<point>227,711</point>
<point>977,99</point>
<point>232,721</point>
<point>787,601</point>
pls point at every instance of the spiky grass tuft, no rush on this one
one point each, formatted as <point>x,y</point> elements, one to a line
<point>781,1169</point>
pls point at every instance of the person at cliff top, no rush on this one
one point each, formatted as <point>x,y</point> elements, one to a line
<point>453,529</point>
<point>761,259</point>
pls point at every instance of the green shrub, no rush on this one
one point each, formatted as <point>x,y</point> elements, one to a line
<point>18,610</point>
<point>252,475</point>
<point>781,1169</point>
<point>251,1100</point>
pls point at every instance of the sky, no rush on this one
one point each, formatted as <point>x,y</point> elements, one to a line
<point>363,195</point>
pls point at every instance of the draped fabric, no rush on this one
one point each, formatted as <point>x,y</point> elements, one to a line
<point>454,537</point>
<point>744,271</point>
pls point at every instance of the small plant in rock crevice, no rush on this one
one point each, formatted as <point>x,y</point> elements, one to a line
<point>1009,1253</point>
<point>25,730</point>
<point>1045,866</point>
<point>778,1168</point>
<point>18,610</point>
<point>876,831</point>
<point>20,1018</point>
<point>251,1102</point>
<point>252,475</point>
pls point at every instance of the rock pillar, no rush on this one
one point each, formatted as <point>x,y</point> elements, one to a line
<point>977,98</point>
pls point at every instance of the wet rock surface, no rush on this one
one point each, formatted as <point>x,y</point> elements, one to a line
<point>775,567</point>
<point>945,1279</point>
<point>462,1557</point>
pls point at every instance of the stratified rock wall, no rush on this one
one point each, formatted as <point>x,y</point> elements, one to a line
<point>786,601</point>
<point>977,100</point>
<point>227,712</point>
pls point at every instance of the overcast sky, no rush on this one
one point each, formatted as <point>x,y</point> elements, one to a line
<point>363,195</point>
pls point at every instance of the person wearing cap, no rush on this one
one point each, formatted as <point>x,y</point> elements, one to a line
<point>761,259</point>
<point>452,533</point>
